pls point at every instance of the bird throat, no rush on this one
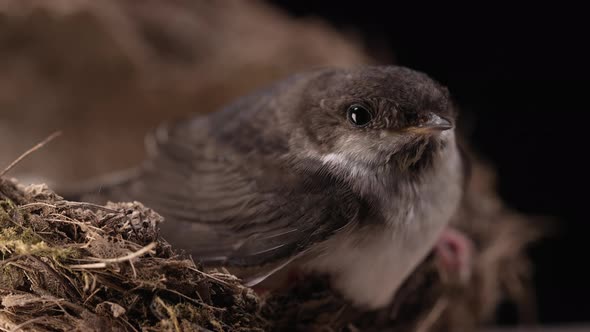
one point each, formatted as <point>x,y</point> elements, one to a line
<point>417,156</point>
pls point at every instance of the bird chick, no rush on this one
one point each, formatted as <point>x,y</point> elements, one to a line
<point>353,173</point>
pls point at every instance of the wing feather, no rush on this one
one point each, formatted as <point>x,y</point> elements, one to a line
<point>221,205</point>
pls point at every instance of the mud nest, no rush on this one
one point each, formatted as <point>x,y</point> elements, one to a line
<point>78,266</point>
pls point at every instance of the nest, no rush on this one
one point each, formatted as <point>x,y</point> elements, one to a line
<point>82,267</point>
<point>79,266</point>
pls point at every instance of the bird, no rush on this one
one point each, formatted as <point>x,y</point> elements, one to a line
<point>352,173</point>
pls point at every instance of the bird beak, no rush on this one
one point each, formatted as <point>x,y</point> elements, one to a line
<point>432,123</point>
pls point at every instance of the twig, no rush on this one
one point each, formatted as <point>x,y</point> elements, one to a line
<point>82,225</point>
<point>104,261</point>
<point>90,205</point>
<point>133,269</point>
<point>202,303</point>
<point>91,295</point>
<point>28,205</point>
<point>129,324</point>
<point>211,277</point>
<point>171,313</point>
<point>28,152</point>
<point>433,315</point>
<point>30,321</point>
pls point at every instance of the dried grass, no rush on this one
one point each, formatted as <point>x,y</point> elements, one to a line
<point>88,268</point>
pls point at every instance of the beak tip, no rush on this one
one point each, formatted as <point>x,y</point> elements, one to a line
<point>437,122</point>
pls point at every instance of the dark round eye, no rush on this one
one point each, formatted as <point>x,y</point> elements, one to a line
<point>358,115</point>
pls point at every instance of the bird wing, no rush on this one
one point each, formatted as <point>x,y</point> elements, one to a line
<point>230,207</point>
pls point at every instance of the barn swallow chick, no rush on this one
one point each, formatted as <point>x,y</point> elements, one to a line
<point>352,173</point>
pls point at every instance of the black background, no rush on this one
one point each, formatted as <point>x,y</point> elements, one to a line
<point>520,71</point>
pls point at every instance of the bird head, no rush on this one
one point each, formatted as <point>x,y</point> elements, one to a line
<point>375,116</point>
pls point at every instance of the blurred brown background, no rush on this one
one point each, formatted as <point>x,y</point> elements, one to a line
<point>108,72</point>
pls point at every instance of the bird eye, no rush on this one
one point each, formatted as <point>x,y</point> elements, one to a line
<point>358,115</point>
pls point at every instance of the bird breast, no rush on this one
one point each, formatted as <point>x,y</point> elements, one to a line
<point>368,264</point>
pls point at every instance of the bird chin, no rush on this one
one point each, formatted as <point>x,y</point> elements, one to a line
<point>418,155</point>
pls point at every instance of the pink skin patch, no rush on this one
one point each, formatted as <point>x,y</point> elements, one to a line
<point>454,254</point>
